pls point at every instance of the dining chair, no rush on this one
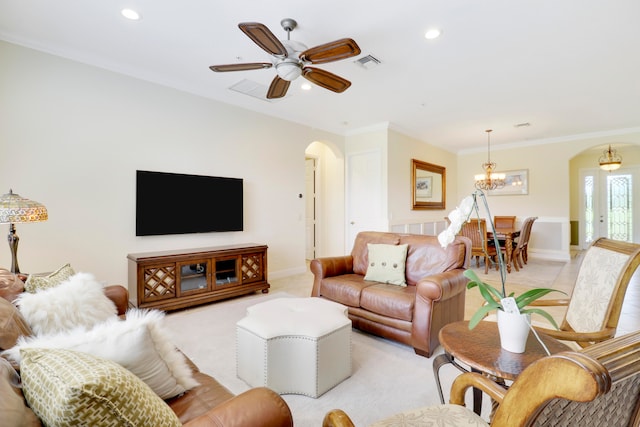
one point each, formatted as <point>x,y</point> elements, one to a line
<point>593,311</point>
<point>520,245</point>
<point>596,386</point>
<point>504,221</point>
<point>525,249</point>
<point>476,230</point>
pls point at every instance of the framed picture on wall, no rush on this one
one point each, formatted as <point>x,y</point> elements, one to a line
<point>516,183</point>
<point>428,185</point>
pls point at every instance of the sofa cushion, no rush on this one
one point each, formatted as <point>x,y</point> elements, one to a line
<point>12,325</point>
<point>10,285</point>
<point>199,400</point>
<point>69,388</point>
<point>426,257</point>
<point>360,252</point>
<point>386,263</point>
<point>13,407</point>
<point>344,289</point>
<point>139,343</point>
<point>389,300</point>
<point>39,283</point>
<point>78,301</point>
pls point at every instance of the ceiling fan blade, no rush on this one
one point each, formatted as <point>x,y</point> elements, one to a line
<point>241,67</point>
<point>263,37</point>
<point>325,79</point>
<point>278,88</point>
<point>333,51</point>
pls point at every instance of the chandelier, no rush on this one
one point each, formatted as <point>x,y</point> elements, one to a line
<point>610,160</point>
<point>490,180</point>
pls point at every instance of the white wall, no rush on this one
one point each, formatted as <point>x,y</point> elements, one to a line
<point>72,137</point>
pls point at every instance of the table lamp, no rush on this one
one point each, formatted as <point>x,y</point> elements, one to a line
<point>15,209</point>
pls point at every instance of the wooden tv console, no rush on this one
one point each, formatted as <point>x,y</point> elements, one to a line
<point>172,280</point>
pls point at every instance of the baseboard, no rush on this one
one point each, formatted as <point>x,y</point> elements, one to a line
<point>287,272</point>
<point>549,255</point>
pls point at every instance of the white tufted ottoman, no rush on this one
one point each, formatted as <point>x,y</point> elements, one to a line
<point>294,345</point>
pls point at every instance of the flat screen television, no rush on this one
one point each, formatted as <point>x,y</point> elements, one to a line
<point>173,203</point>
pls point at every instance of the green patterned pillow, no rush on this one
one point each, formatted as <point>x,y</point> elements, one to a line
<point>387,263</point>
<point>69,388</point>
<point>39,283</point>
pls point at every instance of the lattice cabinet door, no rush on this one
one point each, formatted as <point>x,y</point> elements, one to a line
<point>252,267</point>
<point>159,282</point>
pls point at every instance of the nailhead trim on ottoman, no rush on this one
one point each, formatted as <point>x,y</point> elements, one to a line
<point>294,345</point>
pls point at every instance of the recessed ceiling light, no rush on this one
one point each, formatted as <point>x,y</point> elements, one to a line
<point>433,33</point>
<point>130,14</point>
<point>305,86</point>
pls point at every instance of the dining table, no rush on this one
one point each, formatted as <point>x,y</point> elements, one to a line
<point>507,235</point>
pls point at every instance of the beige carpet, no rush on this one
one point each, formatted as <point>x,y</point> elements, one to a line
<point>387,377</point>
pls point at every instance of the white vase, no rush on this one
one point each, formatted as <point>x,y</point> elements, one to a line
<point>514,331</point>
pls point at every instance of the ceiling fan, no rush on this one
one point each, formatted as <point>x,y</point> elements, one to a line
<point>291,59</point>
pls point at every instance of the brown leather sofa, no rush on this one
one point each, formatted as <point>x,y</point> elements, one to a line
<point>209,404</point>
<point>412,315</point>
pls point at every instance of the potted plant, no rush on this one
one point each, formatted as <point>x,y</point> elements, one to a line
<point>513,316</point>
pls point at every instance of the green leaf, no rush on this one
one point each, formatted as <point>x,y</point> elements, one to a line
<point>541,313</point>
<point>486,290</point>
<point>533,294</point>
<point>471,275</point>
<point>479,315</point>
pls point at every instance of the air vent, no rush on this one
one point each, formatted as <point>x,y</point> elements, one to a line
<point>368,62</point>
<point>254,89</point>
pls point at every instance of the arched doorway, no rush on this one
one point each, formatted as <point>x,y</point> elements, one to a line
<point>606,204</point>
<point>324,204</point>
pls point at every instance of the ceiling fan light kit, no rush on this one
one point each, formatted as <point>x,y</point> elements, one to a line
<point>291,59</point>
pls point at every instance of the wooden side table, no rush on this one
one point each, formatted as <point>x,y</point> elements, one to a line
<point>480,350</point>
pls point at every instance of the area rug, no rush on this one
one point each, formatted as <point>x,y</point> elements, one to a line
<point>387,377</point>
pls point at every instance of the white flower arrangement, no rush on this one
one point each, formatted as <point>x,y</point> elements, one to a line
<point>457,217</point>
<point>491,295</point>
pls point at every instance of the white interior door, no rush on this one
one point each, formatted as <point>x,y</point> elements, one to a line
<point>364,194</point>
<point>310,208</point>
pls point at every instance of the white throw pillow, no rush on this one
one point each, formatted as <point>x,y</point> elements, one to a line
<point>387,263</point>
<point>78,301</point>
<point>138,343</point>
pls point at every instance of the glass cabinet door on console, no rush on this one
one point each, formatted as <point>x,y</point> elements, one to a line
<point>194,276</point>
<point>226,271</point>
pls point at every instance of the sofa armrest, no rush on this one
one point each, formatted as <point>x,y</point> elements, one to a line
<point>258,406</point>
<point>442,286</point>
<point>120,297</point>
<point>329,267</point>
